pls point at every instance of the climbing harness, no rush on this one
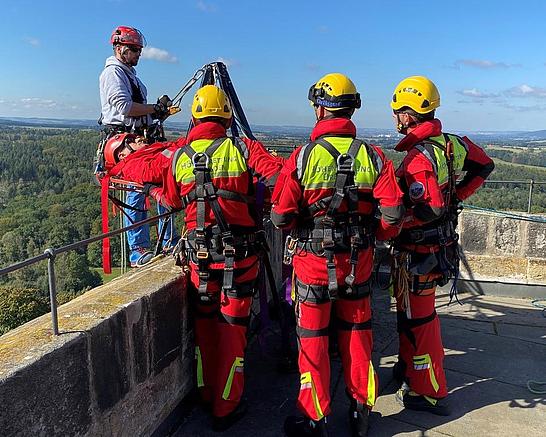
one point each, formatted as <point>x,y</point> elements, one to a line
<point>220,242</point>
<point>333,232</point>
<point>441,232</point>
<point>216,243</point>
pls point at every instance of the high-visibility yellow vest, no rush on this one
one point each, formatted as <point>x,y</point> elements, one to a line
<point>228,160</point>
<point>317,168</point>
<point>434,150</point>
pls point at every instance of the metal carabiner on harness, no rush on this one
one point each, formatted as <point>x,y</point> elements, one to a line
<point>195,159</point>
<point>341,162</point>
<point>289,249</point>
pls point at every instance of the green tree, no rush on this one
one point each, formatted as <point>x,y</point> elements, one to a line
<point>19,305</point>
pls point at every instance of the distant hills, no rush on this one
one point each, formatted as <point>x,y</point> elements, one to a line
<point>479,136</point>
<point>48,122</point>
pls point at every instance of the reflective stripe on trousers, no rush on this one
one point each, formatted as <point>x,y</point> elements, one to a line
<point>423,351</point>
<point>355,345</point>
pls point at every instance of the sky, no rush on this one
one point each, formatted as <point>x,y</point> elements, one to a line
<point>487,58</point>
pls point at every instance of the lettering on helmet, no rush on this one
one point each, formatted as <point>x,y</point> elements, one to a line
<point>416,190</point>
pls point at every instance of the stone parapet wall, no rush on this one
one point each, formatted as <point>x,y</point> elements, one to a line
<point>122,363</point>
<point>498,248</point>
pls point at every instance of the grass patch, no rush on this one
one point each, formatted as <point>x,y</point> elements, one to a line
<point>116,271</point>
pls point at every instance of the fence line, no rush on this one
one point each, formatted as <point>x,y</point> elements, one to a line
<point>51,253</point>
<point>531,183</point>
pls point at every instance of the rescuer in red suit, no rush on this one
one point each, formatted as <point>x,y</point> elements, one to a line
<point>427,253</point>
<point>210,176</point>
<point>329,193</point>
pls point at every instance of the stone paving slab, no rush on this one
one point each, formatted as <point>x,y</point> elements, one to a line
<point>493,347</point>
<point>480,406</point>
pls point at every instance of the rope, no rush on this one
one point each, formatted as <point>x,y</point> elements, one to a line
<point>402,278</point>
<point>537,303</point>
<point>508,214</point>
<point>538,387</point>
<point>123,240</point>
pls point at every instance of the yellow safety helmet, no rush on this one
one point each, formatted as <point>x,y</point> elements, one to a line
<point>334,91</point>
<point>210,101</point>
<point>417,92</point>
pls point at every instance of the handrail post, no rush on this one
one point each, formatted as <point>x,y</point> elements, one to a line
<point>531,184</point>
<point>52,289</point>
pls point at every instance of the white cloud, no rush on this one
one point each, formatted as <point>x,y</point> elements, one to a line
<point>527,91</point>
<point>33,103</point>
<point>46,107</point>
<point>483,64</point>
<point>519,108</point>
<point>312,67</point>
<point>227,62</point>
<point>474,92</point>
<point>35,42</point>
<point>205,6</point>
<point>158,55</point>
<point>36,102</point>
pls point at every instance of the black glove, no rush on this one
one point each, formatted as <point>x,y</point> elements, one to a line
<point>161,108</point>
<point>165,100</point>
<point>147,187</point>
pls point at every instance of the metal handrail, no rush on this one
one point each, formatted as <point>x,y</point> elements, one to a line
<point>530,182</point>
<point>51,253</point>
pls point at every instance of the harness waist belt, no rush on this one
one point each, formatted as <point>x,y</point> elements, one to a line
<point>318,233</point>
<point>426,236</point>
<point>320,293</point>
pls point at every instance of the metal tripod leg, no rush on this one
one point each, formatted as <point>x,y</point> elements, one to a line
<point>161,235</point>
<point>287,363</point>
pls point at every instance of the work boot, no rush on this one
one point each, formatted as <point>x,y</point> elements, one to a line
<point>140,256</point>
<point>299,426</point>
<point>358,419</point>
<point>223,423</point>
<point>417,402</point>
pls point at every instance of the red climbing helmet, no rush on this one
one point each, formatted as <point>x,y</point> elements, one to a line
<point>113,146</point>
<point>128,36</point>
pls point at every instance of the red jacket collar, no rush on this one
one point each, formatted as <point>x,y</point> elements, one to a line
<point>206,131</point>
<point>334,126</point>
<point>422,131</point>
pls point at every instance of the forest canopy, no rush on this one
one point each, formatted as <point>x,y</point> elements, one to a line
<point>48,198</point>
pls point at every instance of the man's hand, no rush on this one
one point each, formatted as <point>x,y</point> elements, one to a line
<point>165,100</point>
<point>147,188</point>
<point>161,108</point>
<point>156,193</point>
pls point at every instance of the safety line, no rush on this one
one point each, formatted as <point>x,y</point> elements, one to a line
<point>538,387</point>
<point>507,214</point>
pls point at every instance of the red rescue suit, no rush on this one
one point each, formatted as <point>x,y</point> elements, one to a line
<point>422,176</point>
<point>299,187</point>
<point>147,165</point>
<point>221,323</point>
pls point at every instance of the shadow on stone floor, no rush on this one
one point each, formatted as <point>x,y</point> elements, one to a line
<point>493,346</point>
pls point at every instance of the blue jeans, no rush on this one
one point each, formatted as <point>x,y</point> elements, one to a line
<point>140,237</point>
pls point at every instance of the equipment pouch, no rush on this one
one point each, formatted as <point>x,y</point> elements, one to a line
<point>179,253</point>
<point>449,261</point>
<point>422,264</point>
